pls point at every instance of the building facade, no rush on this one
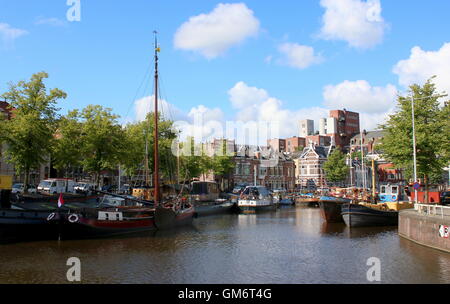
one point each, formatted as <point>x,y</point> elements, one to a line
<point>309,172</point>
<point>306,128</point>
<point>295,144</point>
<point>348,125</point>
<point>278,145</point>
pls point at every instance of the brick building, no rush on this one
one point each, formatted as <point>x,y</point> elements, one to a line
<point>278,145</point>
<point>309,167</point>
<point>295,144</point>
<point>348,125</point>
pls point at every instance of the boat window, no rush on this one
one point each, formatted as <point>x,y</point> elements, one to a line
<point>394,190</point>
<point>199,188</point>
<point>383,189</point>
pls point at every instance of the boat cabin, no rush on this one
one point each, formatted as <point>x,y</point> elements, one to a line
<point>113,201</point>
<point>256,192</point>
<point>204,191</point>
<point>390,193</point>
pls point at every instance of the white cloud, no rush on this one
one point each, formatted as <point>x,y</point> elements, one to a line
<point>422,65</point>
<point>298,56</point>
<point>50,21</point>
<point>207,113</point>
<point>147,104</point>
<point>213,34</point>
<point>358,22</point>
<point>255,104</point>
<point>360,96</point>
<point>9,34</point>
<point>374,104</point>
<point>243,96</point>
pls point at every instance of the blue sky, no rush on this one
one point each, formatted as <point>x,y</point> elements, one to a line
<point>284,60</point>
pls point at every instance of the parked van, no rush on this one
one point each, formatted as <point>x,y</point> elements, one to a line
<point>56,186</point>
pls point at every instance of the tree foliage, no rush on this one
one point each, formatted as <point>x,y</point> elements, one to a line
<point>67,149</point>
<point>136,136</point>
<point>335,167</point>
<point>432,133</point>
<point>29,134</point>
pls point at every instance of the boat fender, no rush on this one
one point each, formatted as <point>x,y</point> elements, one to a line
<point>51,216</point>
<point>73,218</point>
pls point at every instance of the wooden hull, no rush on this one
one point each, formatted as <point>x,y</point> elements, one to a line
<point>92,228</point>
<point>331,208</point>
<point>307,202</point>
<point>331,212</point>
<point>167,218</point>
<point>361,216</point>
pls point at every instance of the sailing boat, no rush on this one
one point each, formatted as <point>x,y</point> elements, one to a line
<point>117,215</point>
<point>172,211</point>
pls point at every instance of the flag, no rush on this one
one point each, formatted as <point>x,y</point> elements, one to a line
<point>60,201</point>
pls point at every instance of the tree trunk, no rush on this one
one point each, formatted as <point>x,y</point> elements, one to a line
<point>26,180</point>
<point>97,180</point>
<point>425,179</point>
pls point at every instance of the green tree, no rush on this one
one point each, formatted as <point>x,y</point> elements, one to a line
<point>29,134</point>
<point>102,140</point>
<point>432,134</point>
<point>66,152</point>
<point>223,163</point>
<point>136,135</point>
<point>335,167</point>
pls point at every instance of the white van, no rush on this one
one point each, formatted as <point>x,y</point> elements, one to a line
<point>56,186</point>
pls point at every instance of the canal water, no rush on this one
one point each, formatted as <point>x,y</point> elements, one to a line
<point>290,246</point>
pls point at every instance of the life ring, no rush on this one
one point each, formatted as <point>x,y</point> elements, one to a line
<point>394,198</point>
<point>51,216</point>
<point>73,218</point>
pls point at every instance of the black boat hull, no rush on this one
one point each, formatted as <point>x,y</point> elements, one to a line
<point>167,218</point>
<point>25,224</point>
<point>362,216</point>
<point>214,209</point>
<point>331,211</point>
<point>258,209</point>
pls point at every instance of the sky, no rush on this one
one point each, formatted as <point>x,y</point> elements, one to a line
<point>276,61</point>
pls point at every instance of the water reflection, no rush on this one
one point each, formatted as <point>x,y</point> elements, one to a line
<point>291,245</point>
<point>332,228</point>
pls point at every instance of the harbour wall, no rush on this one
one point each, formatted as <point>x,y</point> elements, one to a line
<point>425,229</point>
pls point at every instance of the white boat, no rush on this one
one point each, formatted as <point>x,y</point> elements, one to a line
<point>256,199</point>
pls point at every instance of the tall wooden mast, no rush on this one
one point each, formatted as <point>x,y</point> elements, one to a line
<point>156,134</point>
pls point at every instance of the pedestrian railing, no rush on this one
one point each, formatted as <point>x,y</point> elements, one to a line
<point>435,210</point>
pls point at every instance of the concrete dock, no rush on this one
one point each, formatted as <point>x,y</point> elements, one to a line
<point>427,225</point>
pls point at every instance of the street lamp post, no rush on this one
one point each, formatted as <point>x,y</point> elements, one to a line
<point>414,138</point>
<point>414,148</point>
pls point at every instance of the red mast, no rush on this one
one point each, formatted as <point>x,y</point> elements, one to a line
<point>156,156</point>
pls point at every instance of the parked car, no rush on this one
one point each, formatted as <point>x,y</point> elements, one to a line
<point>19,188</point>
<point>57,185</point>
<point>84,187</point>
<point>445,198</point>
